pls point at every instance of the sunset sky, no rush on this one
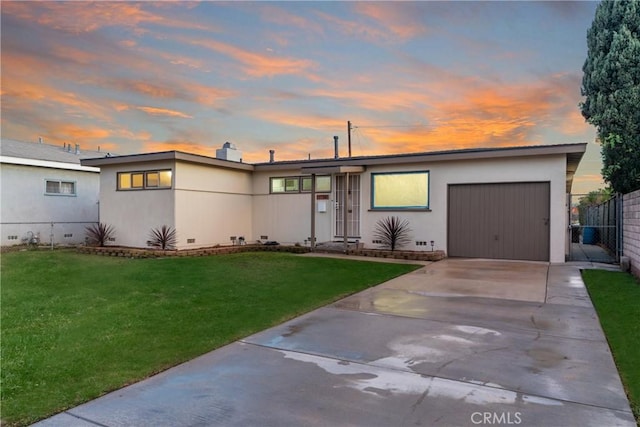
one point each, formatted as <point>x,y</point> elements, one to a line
<point>411,76</point>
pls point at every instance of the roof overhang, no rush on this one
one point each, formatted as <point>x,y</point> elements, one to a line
<point>46,164</point>
<point>573,153</point>
<point>435,156</point>
<point>573,161</point>
<point>163,156</point>
<point>339,169</point>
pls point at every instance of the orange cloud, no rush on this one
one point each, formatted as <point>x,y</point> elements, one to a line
<point>178,145</point>
<point>282,17</point>
<point>574,123</point>
<point>402,22</point>
<point>353,29</point>
<point>154,111</point>
<point>255,64</point>
<point>84,17</point>
<point>297,119</point>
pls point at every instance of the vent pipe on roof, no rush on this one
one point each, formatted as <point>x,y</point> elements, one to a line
<point>272,156</point>
<point>40,140</point>
<point>335,147</point>
<point>77,148</point>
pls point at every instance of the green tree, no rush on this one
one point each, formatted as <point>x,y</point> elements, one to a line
<point>594,198</point>
<point>611,85</point>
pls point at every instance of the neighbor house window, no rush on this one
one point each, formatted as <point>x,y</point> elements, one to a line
<point>400,190</point>
<point>141,180</point>
<point>297,184</point>
<point>60,188</point>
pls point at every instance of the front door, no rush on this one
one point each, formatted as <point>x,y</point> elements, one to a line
<point>353,206</point>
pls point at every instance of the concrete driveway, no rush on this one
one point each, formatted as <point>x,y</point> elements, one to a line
<point>457,342</point>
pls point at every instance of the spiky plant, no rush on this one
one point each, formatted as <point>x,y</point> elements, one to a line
<point>392,232</point>
<point>99,234</point>
<point>163,237</point>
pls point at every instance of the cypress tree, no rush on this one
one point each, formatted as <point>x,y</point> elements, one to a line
<point>611,85</point>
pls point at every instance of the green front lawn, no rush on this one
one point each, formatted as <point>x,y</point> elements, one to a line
<point>616,297</point>
<point>77,326</point>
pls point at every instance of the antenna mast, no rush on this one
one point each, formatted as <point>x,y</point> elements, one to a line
<point>349,136</point>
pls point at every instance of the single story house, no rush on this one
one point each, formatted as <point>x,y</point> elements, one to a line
<point>47,195</point>
<point>504,203</point>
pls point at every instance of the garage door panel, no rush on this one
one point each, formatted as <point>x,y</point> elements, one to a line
<point>503,221</point>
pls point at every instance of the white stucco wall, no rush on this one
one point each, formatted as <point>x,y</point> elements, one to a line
<point>212,204</point>
<point>286,218</point>
<point>432,225</point>
<point>26,207</point>
<point>133,213</point>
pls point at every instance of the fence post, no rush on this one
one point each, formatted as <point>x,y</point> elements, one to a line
<point>619,226</point>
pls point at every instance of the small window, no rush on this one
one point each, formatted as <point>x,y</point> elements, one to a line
<point>297,184</point>
<point>323,184</point>
<point>153,179</point>
<point>291,184</point>
<point>137,180</point>
<point>124,181</point>
<point>306,183</point>
<point>165,178</point>
<point>63,188</point>
<point>277,185</point>
<point>400,190</point>
<point>144,179</point>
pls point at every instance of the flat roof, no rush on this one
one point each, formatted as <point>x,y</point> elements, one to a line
<point>12,149</point>
<point>574,153</point>
<point>166,155</point>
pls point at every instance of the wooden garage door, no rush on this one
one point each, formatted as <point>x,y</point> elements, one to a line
<point>503,221</point>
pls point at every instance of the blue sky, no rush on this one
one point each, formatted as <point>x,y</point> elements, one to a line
<point>411,76</point>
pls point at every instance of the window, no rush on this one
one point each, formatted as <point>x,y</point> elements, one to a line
<point>144,180</point>
<point>323,184</point>
<point>400,190</point>
<point>291,184</point>
<point>60,188</point>
<point>297,184</point>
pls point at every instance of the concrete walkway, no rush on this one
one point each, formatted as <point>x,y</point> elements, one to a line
<point>590,253</point>
<point>457,342</point>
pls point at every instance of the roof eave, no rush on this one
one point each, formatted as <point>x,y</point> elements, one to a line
<point>163,156</point>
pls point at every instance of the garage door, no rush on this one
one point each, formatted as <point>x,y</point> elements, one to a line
<point>503,221</point>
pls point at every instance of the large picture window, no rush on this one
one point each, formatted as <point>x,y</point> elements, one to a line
<point>141,180</point>
<point>60,188</point>
<point>400,190</point>
<point>298,184</point>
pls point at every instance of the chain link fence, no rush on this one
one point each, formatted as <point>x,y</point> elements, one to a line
<point>595,229</point>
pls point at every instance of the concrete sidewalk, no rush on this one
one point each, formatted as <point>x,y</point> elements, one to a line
<point>457,342</point>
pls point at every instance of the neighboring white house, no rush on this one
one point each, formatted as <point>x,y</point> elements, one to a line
<point>507,203</point>
<point>46,193</point>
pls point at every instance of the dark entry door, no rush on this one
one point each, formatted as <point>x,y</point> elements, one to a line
<point>503,220</point>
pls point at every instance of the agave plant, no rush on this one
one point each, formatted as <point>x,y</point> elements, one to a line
<point>99,234</point>
<point>163,238</point>
<point>392,232</point>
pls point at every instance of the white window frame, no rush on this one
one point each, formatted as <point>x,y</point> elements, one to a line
<point>60,182</point>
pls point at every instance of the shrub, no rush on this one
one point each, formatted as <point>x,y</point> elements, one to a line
<point>99,234</point>
<point>163,238</point>
<point>392,232</point>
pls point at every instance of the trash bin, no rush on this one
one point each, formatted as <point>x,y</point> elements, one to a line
<point>590,236</point>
